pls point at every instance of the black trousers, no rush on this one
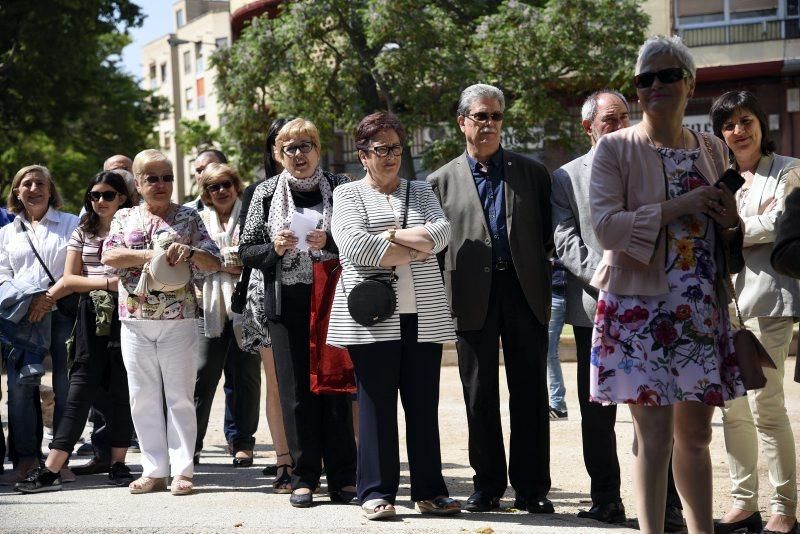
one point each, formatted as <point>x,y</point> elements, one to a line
<point>598,435</point>
<point>383,369</point>
<point>318,427</point>
<point>100,371</point>
<point>215,354</point>
<point>525,353</point>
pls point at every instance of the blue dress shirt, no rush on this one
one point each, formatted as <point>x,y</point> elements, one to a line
<point>489,180</point>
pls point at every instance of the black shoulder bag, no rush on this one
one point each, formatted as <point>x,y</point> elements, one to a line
<point>67,305</point>
<point>374,300</point>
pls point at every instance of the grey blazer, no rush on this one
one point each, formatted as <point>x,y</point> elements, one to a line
<point>467,262</point>
<point>762,292</point>
<point>575,240</point>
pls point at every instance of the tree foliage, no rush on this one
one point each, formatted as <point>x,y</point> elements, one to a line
<point>334,61</point>
<point>64,101</point>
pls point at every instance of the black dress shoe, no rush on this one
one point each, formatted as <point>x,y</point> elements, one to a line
<point>480,501</point>
<point>612,513</point>
<point>541,506</point>
<point>94,466</point>
<point>301,500</point>
<point>751,523</point>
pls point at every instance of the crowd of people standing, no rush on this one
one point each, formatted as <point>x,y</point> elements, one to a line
<point>161,301</point>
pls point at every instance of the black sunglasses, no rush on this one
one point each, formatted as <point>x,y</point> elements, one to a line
<point>292,150</point>
<point>214,188</point>
<point>108,196</point>
<point>166,178</point>
<point>484,117</point>
<point>644,80</point>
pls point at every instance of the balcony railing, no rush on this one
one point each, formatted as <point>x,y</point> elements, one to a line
<point>745,32</point>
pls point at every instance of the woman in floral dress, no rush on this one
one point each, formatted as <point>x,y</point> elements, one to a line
<point>662,341</point>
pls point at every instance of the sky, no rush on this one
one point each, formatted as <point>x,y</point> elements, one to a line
<point>157,23</point>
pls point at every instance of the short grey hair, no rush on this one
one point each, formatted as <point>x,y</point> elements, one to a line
<point>589,109</point>
<point>672,46</point>
<point>477,92</point>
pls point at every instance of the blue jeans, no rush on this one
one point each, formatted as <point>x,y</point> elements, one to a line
<point>21,398</point>
<point>555,379</point>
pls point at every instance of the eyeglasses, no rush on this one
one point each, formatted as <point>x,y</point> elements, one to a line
<point>385,150</point>
<point>166,178</point>
<point>108,196</point>
<point>484,117</point>
<point>216,188</point>
<point>643,80</point>
<point>292,150</point>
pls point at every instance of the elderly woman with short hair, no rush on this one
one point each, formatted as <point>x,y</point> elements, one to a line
<point>221,191</point>
<point>318,427</point>
<point>662,338</point>
<point>159,327</point>
<point>39,228</point>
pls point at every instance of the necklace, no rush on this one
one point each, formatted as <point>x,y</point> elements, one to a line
<point>683,139</point>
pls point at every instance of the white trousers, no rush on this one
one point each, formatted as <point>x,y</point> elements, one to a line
<point>161,360</point>
<point>762,414</point>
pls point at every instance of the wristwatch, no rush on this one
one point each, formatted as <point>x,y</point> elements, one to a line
<point>391,234</point>
<point>412,254</point>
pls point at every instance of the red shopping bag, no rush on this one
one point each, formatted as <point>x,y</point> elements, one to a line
<point>331,367</point>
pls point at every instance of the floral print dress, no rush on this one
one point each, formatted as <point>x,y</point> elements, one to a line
<point>663,349</point>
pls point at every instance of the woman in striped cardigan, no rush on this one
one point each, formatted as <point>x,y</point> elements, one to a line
<point>404,352</point>
<point>318,427</point>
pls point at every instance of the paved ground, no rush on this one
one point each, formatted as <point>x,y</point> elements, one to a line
<point>241,500</point>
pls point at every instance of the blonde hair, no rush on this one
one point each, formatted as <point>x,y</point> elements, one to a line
<point>144,158</point>
<point>216,171</point>
<point>294,129</point>
<point>15,205</point>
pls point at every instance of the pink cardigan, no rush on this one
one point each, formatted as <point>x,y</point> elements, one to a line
<point>626,191</point>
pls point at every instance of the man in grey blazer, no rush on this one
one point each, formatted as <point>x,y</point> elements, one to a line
<point>497,277</point>
<point>603,112</point>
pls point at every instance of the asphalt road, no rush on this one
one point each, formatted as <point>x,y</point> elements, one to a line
<point>241,500</point>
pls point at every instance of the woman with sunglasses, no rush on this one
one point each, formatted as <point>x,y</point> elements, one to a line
<point>221,189</point>
<point>769,302</point>
<point>159,327</point>
<point>40,227</point>
<point>318,427</point>
<point>97,360</point>
<point>662,339</point>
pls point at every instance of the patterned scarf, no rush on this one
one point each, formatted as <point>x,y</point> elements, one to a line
<point>282,208</point>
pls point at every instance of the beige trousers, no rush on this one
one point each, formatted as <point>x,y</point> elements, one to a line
<point>762,414</point>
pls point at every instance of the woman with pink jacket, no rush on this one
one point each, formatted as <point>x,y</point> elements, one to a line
<point>662,341</point>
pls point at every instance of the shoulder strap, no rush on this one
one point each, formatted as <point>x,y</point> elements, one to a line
<point>35,253</point>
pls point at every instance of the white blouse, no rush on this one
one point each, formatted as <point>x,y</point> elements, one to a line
<point>50,237</point>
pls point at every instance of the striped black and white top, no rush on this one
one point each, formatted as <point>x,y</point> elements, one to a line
<point>360,214</point>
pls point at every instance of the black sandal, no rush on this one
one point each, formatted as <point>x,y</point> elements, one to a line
<point>283,484</point>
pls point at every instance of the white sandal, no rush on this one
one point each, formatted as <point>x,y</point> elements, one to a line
<point>375,509</point>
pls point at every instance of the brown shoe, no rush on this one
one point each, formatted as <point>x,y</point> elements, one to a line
<point>95,466</point>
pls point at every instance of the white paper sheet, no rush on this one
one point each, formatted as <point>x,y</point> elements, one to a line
<point>303,223</point>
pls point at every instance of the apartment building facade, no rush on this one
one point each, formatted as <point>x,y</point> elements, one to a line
<point>176,66</point>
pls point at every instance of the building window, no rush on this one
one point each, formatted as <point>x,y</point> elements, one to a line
<point>221,42</point>
<point>163,68</point>
<point>180,21</point>
<point>188,96</point>
<point>187,62</point>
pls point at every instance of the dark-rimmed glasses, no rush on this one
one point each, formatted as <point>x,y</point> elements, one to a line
<point>108,196</point>
<point>216,188</point>
<point>153,179</point>
<point>483,117</point>
<point>292,150</point>
<point>385,150</point>
<point>643,80</point>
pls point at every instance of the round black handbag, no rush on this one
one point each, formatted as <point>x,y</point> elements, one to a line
<point>372,300</point>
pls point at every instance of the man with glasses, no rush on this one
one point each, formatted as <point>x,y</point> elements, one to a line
<point>209,155</point>
<point>497,276</point>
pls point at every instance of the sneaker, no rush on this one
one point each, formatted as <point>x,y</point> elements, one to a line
<point>558,415</point>
<point>85,450</point>
<point>39,480</point>
<point>120,475</point>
